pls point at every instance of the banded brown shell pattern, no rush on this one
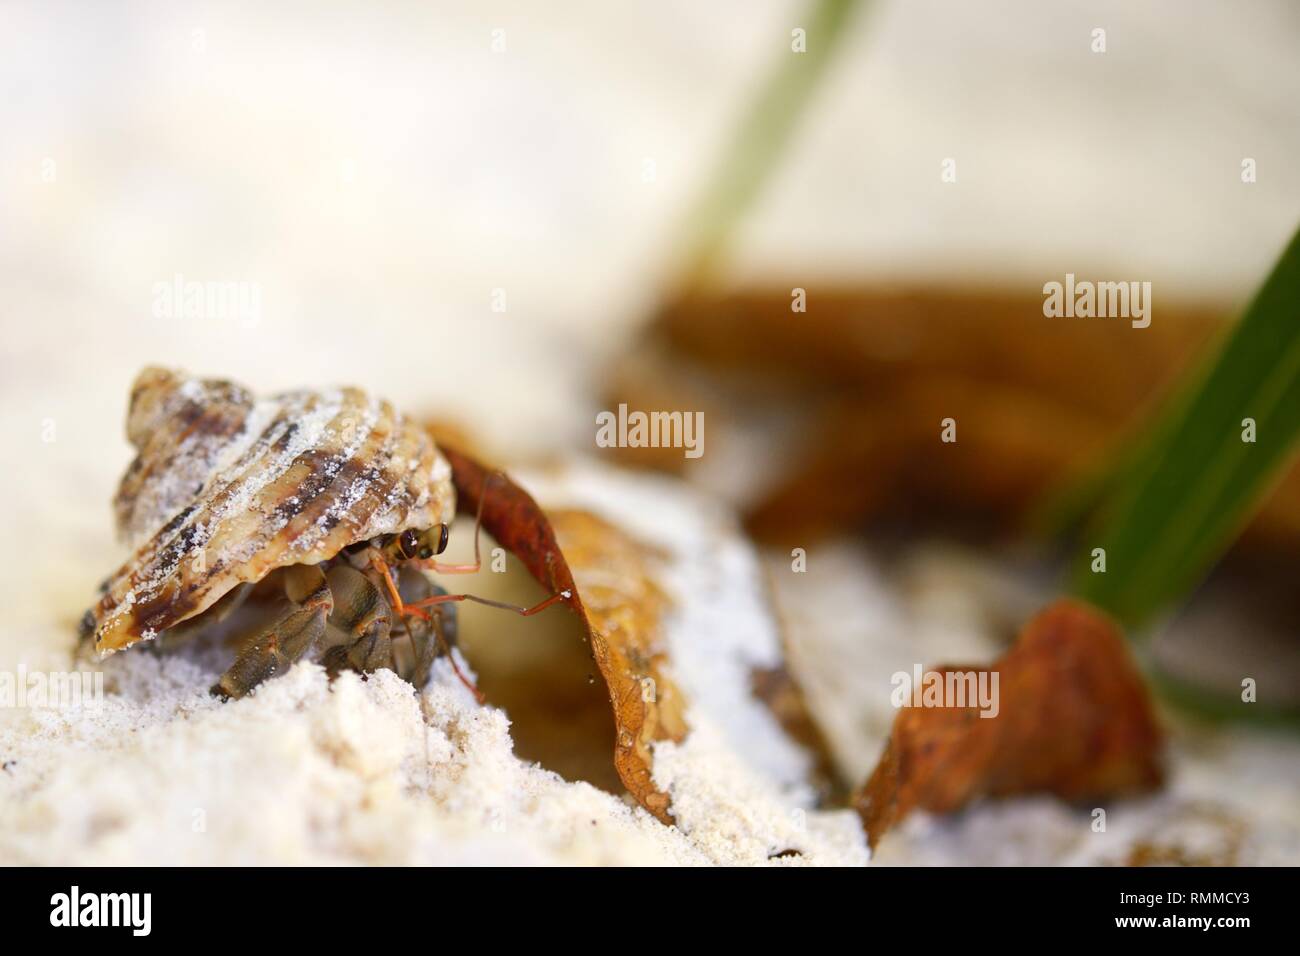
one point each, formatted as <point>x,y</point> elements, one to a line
<point>226,488</point>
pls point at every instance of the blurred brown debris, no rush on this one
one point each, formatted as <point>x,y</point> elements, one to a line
<point>828,419</point>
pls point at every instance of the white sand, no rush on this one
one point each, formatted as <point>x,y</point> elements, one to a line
<point>854,620</point>
<point>370,772</point>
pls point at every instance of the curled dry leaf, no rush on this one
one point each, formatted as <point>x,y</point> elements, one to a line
<point>1074,719</point>
<point>607,576</point>
<point>516,521</point>
<point>623,607</point>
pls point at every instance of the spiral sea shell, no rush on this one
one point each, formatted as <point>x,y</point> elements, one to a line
<point>226,488</point>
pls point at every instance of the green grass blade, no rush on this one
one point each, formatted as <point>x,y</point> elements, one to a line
<point>1218,708</point>
<point>761,137</point>
<point>1196,482</point>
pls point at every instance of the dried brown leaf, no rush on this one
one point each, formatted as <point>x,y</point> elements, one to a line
<point>1074,720</point>
<point>512,517</point>
<point>607,575</point>
<point>624,608</point>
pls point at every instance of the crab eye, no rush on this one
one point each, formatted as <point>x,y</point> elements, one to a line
<point>442,539</point>
<point>407,543</point>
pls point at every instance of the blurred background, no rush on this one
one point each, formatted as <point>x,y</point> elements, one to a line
<point>479,212</point>
<point>378,171</point>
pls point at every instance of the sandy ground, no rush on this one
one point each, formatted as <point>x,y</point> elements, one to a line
<point>854,620</point>
<point>370,771</point>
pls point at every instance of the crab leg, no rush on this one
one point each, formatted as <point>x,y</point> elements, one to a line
<point>402,609</point>
<point>523,611</point>
<point>379,564</point>
<point>428,633</point>
<point>361,612</point>
<point>275,648</point>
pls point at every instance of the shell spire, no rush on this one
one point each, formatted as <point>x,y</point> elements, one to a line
<point>226,488</point>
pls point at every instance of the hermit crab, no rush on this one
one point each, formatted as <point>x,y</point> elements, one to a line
<point>316,510</point>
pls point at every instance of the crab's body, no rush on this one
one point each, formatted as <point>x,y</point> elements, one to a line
<point>307,490</point>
